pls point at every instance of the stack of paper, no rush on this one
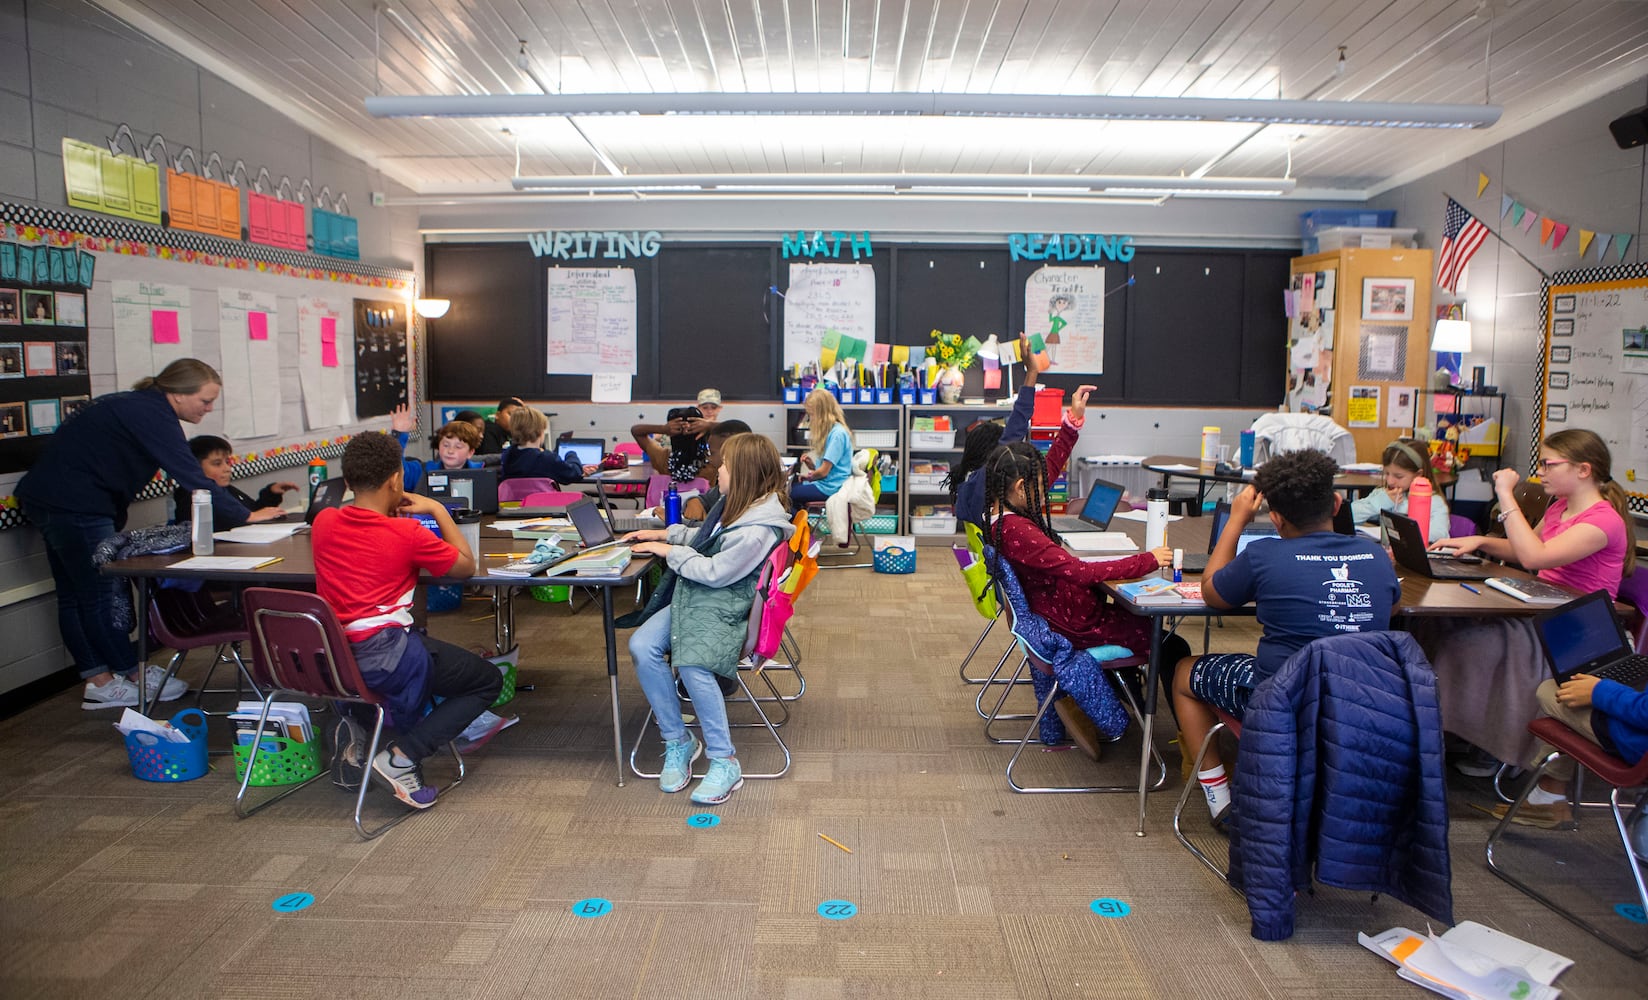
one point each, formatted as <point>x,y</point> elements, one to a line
<point>1471,962</point>
<point>136,722</point>
<point>259,534</point>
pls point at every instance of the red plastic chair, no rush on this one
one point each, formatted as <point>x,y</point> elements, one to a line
<point>298,647</point>
<point>185,621</point>
<point>1620,776</point>
<point>514,490</point>
<point>1226,722</point>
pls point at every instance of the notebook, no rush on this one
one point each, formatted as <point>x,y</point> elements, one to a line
<point>1096,511</point>
<point>1408,546</point>
<point>1584,637</point>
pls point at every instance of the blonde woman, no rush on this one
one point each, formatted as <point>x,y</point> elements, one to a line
<point>829,462</point>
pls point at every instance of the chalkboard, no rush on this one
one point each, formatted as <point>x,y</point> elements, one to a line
<point>707,314</point>
<point>1594,370</point>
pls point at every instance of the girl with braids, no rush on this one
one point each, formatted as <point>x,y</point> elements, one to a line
<point>966,479</point>
<point>1061,588</point>
<point>1488,670</point>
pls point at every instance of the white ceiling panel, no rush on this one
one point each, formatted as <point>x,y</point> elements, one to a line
<point>322,58</point>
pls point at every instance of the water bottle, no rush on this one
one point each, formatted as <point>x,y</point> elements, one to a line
<point>1245,451</point>
<point>672,506</point>
<point>200,532</point>
<point>1419,506</point>
<point>1155,518</point>
<point>317,472</point>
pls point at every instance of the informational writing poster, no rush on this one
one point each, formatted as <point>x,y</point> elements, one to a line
<point>591,320</point>
<point>1596,371</point>
<point>1066,306</point>
<point>326,362</point>
<point>250,363</point>
<point>823,298</point>
<point>152,328</point>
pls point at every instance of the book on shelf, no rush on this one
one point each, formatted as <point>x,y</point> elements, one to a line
<point>1531,591</point>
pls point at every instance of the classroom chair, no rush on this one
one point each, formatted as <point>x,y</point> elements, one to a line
<point>855,529</point>
<point>184,621</point>
<point>1227,723</point>
<point>1275,433</point>
<point>298,647</point>
<point>1031,631</point>
<point>1459,526</point>
<point>983,602</point>
<point>759,648</point>
<point>659,484</point>
<point>517,490</point>
<point>1620,776</point>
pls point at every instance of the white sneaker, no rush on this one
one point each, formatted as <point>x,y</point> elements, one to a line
<point>116,693</point>
<point>153,675</point>
<point>1639,835</point>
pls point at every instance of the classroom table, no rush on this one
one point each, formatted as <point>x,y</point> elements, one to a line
<point>297,569</point>
<point>1421,597</point>
<point>1354,484</point>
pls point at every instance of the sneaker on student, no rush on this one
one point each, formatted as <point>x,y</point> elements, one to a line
<point>678,757</point>
<point>113,693</point>
<point>1221,822</point>
<point>1639,835</point>
<point>1542,815</point>
<point>406,782</point>
<point>348,753</point>
<point>481,731</point>
<point>1478,764</point>
<point>171,690</point>
<point>724,778</point>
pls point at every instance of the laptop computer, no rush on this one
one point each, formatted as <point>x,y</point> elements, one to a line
<point>328,494</point>
<point>1408,546</point>
<point>584,451</point>
<point>1196,562</point>
<point>471,489</point>
<point>593,530</point>
<point>1584,637</point>
<point>626,522</point>
<point>1096,511</point>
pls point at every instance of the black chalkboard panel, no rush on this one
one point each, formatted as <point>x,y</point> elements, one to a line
<point>715,323</point>
<point>490,343</point>
<point>1186,319</point>
<point>954,289</point>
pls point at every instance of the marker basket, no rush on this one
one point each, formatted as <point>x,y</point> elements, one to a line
<point>155,759</point>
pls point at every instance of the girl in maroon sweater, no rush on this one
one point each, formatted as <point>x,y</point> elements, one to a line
<point>1060,587</point>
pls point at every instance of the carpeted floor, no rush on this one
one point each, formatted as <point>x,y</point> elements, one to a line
<point>112,887</point>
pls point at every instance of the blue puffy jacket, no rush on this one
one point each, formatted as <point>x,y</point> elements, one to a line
<point>1340,766</point>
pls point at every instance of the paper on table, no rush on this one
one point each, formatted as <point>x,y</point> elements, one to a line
<point>1370,467</point>
<point>224,562</point>
<point>1142,516</point>
<point>1177,467</point>
<point>258,534</point>
<point>609,387</point>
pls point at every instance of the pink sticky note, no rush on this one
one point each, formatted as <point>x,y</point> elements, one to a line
<point>328,354</point>
<point>329,331</point>
<point>257,325</point>
<point>879,353</point>
<point>992,378</point>
<point>164,325</point>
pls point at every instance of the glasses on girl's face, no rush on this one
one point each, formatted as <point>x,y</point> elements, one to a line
<point>1547,464</point>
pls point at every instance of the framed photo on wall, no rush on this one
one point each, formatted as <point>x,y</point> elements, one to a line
<point>10,311</point>
<point>71,309</point>
<point>39,307</point>
<point>1389,299</point>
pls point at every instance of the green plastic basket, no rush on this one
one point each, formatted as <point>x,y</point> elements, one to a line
<point>292,764</point>
<point>550,594</point>
<point>507,693</point>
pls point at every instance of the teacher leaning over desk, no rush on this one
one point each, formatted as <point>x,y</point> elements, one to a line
<point>77,495</point>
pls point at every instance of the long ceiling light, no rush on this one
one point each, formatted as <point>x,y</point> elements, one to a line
<point>1051,184</point>
<point>1348,114</point>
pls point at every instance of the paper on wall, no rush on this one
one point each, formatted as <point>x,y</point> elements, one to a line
<point>137,354</point>
<point>1064,307</point>
<point>251,387</point>
<point>328,391</point>
<point>591,320</point>
<point>823,298</point>
<point>607,387</point>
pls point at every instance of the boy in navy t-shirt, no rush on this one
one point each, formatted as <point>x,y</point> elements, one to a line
<point>1308,583</point>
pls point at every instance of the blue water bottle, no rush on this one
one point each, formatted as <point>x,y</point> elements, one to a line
<point>672,506</point>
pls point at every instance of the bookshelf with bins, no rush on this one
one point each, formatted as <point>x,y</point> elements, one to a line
<point>934,451</point>
<point>873,425</point>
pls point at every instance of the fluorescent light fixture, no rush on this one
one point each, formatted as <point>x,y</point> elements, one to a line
<point>1453,336</point>
<point>1049,184</point>
<point>1344,114</point>
<point>432,308</point>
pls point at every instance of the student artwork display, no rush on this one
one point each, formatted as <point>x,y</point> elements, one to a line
<point>245,330</point>
<point>10,311</point>
<point>828,298</point>
<point>326,361</point>
<point>71,308</point>
<point>591,320</point>
<point>1065,305</point>
<point>380,357</point>
<point>152,328</point>
<point>1310,343</point>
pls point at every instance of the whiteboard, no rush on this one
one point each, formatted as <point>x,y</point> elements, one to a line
<point>822,298</point>
<point>1595,371</point>
<point>591,320</point>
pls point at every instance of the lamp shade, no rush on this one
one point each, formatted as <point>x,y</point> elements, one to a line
<point>1452,336</point>
<point>991,349</point>
<point>433,308</point>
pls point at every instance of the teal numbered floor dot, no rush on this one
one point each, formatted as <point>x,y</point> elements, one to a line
<point>837,909</point>
<point>1632,912</point>
<point>592,907</point>
<point>292,902</point>
<point>703,821</point>
<point>1109,907</point>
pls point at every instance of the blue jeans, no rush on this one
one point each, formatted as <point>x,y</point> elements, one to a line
<point>647,646</point>
<point>808,493</point>
<point>85,597</point>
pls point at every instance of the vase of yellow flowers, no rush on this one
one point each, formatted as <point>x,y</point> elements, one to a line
<point>953,354</point>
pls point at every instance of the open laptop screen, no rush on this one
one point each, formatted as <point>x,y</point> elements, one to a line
<point>589,452</point>
<point>1581,633</point>
<point>1101,503</point>
<point>592,527</point>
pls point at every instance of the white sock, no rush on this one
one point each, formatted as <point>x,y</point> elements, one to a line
<point>1540,797</point>
<point>397,760</point>
<point>1216,787</point>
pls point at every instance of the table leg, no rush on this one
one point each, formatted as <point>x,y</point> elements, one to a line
<point>503,619</point>
<point>612,676</point>
<point>141,612</point>
<point>1152,675</point>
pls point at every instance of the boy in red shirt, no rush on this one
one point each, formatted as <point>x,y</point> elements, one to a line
<point>366,567</point>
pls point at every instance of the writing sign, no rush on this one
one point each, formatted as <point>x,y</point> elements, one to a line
<point>590,244</point>
<point>1069,246</point>
<point>826,245</point>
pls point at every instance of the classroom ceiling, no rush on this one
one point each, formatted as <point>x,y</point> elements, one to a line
<point>318,60</point>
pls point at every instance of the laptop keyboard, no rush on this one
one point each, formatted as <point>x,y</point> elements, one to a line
<point>1631,671</point>
<point>627,523</point>
<point>1068,524</point>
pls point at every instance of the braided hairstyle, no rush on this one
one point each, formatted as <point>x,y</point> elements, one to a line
<point>981,440</point>
<point>1008,464</point>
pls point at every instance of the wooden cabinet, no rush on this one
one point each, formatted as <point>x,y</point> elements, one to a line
<point>1366,334</point>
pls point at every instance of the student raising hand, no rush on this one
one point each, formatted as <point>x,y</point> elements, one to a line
<point>400,419</point>
<point>1078,404</point>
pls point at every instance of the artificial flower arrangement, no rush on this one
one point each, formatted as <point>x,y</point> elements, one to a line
<point>952,350</point>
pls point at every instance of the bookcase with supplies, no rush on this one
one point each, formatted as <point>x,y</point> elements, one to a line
<point>873,425</point>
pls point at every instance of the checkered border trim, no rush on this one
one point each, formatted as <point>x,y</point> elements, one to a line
<point>1616,272</point>
<point>116,228</point>
<point>161,486</point>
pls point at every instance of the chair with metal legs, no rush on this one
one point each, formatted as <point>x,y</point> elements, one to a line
<point>184,621</point>
<point>298,647</point>
<point>1226,722</point>
<point>1621,777</point>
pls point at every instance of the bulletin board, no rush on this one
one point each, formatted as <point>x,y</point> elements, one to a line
<point>1593,371</point>
<point>43,355</point>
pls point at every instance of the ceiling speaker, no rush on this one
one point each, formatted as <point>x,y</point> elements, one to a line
<point>1630,130</point>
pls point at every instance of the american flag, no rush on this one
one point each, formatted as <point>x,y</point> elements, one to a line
<point>1462,236</point>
